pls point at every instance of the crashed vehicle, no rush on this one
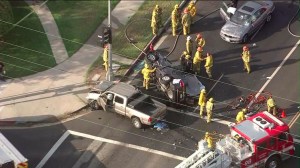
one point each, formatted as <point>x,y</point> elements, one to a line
<point>128,101</point>
<point>242,23</point>
<point>178,86</point>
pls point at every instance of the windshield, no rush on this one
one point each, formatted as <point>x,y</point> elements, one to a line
<point>240,18</point>
<point>239,149</point>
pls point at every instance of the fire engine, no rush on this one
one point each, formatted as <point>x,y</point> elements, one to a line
<point>10,157</point>
<point>261,140</point>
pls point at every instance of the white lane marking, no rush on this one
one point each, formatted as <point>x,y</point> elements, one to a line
<point>126,145</point>
<point>161,40</point>
<point>215,83</point>
<point>294,119</point>
<point>275,72</point>
<point>193,114</point>
<point>53,149</point>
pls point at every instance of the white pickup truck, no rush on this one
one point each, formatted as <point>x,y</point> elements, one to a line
<point>126,100</point>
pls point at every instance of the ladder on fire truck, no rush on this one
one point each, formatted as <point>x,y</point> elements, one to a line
<point>10,157</point>
<point>206,158</point>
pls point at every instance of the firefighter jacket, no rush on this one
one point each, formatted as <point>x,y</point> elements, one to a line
<point>146,72</point>
<point>271,102</point>
<point>209,61</point>
<point>189,46</point>
<point>202,99</point>
<point>186,20</point>
<point>175,17</point>
<point>246,56</point>
<point>200,42</point>
<point>209,106</point>
<point>198,57</point>
<point>192,9</point>
<point>240,116</point>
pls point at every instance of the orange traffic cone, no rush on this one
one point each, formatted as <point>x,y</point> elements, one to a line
<point>283,115</point>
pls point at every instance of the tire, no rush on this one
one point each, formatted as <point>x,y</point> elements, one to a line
<point>165,80</point>
<point>136,122</point>
<point>152,57</point>
<point>245,38</point>
<point>269,18</point>
<point>94,105</point>
<point>273,162</point>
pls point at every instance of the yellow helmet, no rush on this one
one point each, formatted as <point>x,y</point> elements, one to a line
<point>206,133</point>
<point>176,6</point>
<point>211,99</point>
<point>244,110</point>
<point>203,91</point>
<point>184,52</point>
<point>146,65</point>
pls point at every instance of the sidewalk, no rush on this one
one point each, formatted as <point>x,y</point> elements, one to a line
<point>50,95</point>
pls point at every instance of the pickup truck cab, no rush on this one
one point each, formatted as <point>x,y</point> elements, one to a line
<point>128,101</point>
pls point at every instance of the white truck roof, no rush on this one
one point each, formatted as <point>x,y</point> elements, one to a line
<point>9,153</point>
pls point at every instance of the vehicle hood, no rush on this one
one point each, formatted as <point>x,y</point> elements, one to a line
<point>233,29</point>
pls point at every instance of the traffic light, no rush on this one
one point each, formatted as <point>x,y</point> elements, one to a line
<point>106,35</point>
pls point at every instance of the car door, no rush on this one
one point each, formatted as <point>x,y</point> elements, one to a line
<point>223,12</point>
<point>257,20</point>
<point>119,104</point>
<point>105,103</point>
<point>261,151</point>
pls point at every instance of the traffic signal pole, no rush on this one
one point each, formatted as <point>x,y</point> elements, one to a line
<point>109,73</point>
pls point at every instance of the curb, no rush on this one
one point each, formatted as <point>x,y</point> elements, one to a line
<point>152,41</point>
<point>9,123</point>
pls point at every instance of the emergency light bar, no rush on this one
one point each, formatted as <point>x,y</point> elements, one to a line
<point>280,123</point>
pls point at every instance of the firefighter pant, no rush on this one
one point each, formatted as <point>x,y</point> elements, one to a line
<point>209,115</point>
<point>186,30</point>
<point>196,67</point>
<point>201,111</point>
<point>105,65</point>
<point>146,83</point>
<point>273,110</point>
<point>247,66</point>
<point>208,71</point>
<point>154,30</point>
<point>174,29</point>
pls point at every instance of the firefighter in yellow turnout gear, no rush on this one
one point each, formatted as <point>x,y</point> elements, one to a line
<point>189,45</point>
<point>197,60</point>
<point>175,20</point>
<point>241,116</point>
<point>186,22</point>
<point>271,106</point>
<point>156,19</point>
<point>246,59</point>
<point>201,102</point>
<point>192,10</point>
<point>209,108</point>
<point>105,58</point>
<point>146,74</point>
<point>209,140</point>
<point>209,64</point>
<point>200,41</point>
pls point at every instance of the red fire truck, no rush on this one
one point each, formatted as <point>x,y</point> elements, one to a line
<point>260,141</point>
<point>10,157</point>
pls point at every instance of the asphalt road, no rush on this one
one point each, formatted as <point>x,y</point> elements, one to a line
<point>85,148</point>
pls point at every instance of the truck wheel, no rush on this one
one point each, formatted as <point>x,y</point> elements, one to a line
<point>269,17</point>
<point>136,122</point>
<point>152,57</point>
<point>273,162</point>
<point>94,105</point>
<point>166,80</point>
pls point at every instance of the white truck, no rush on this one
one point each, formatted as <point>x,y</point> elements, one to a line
<point>260,141</point>
<point>10,157</point>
